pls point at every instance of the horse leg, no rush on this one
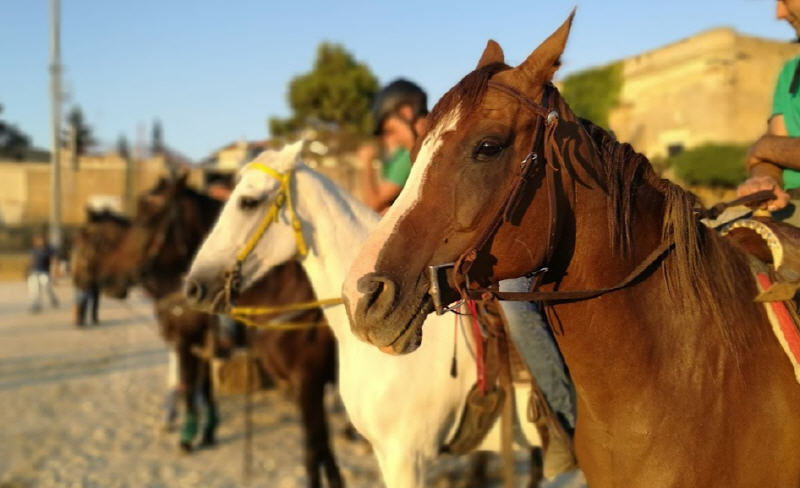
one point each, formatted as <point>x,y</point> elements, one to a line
<point>210,425</point>
<point>318,452</point>
<point>537,467</point>
<point>188,366</point>
<point>400,467</point>
<point>478,472</point>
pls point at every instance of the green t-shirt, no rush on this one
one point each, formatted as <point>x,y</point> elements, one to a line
<point>397,167</point>
<point>788,105</point>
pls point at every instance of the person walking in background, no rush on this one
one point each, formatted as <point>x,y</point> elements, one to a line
<point>87,301</point>
<point>398,113</point>
<point>43,258</point>
<point>773,162</point>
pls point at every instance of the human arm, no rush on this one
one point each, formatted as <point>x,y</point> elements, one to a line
<point>378,193</point>
<point>766,159</point>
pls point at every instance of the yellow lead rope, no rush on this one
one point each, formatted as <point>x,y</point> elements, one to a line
<point>244,314</point>
<point>292,307</point>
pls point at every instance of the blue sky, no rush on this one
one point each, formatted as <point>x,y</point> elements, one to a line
<point>214,71</point>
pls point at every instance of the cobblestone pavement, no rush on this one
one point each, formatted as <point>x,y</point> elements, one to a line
<point>83,408</point>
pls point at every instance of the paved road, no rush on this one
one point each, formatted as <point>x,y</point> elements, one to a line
<point>82,407</point>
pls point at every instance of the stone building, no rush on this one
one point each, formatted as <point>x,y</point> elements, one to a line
<point>91,180</point>
<point>714,87</point>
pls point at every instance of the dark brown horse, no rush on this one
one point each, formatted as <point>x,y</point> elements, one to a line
<point>100,235</point>
<point>680,381</point>
<point>171,222</point>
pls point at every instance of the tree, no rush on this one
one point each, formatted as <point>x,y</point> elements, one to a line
<point>123,149</point>
<point>593,93</point>
<point>338,90</point>
<point>712,164</point>
<point>77,128</point>
<point>157,138</point>
<point>13,142</point>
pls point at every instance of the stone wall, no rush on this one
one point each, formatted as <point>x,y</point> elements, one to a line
<point>714,87</point>
<point>25,187</point>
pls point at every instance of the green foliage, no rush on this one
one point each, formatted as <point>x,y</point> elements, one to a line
<point>711,164</point>
<point>13,142</point>
<point>337,91</point>
<point>123,149</point>
<point>157,138</point>
<point>80,130</point>
<point>592,93</point>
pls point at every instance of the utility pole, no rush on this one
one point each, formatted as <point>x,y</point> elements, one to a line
<point>55,113</point>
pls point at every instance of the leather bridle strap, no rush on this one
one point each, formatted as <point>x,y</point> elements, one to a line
<point>506,210</point>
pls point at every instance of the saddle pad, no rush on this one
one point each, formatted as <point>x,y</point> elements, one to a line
<point>784,324</point>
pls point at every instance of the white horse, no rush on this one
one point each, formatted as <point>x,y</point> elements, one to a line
<point>407,406</point>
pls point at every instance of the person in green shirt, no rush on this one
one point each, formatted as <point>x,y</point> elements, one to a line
<point>398,113</point>
<point>773,162</point>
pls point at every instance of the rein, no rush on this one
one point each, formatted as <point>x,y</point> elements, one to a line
<point>549,117</point>
<point>234,277</point>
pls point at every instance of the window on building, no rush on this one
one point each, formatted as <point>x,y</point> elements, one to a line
<point>674,149</point>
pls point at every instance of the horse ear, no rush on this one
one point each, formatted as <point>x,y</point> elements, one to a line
<point>543,63</point>
<point>292,152</point>
<point>493,53</point>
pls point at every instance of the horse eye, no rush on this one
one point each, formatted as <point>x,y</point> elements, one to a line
<point>248,203</point>
<point>488,149</point>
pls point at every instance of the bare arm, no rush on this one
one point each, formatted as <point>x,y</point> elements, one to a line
<point>378,195</point>
<point>766,160</point>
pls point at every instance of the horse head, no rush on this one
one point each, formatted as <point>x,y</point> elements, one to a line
<point>489,132</point>
<point>257,230</point>
<point>170,222</point>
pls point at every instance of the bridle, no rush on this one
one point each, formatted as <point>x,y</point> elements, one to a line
<point>544,137</point>
<point>282,198</point>
<point>233,279</point>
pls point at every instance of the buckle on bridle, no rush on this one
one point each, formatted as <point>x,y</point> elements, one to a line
<point>441,289</point>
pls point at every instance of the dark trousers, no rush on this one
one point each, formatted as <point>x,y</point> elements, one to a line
<point>87,300</point>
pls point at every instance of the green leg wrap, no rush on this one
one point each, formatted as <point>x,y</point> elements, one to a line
<point>189,427</point>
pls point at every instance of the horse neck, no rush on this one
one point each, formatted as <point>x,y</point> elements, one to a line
<point>336,226</point>
<point>166,281</point>
<point>653,325</point>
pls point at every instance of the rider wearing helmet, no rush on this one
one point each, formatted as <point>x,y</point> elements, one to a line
<point>398,114</point>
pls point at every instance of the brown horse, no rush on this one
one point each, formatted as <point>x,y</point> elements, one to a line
<point>101,233</point>
<point>680,381</point>
<point>171,222</point>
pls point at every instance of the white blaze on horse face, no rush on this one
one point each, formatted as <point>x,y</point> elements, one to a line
<point>367,258</point>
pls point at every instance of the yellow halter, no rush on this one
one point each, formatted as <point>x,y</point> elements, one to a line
<point>284,197</point>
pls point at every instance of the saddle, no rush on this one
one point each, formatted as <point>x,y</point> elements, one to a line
<point>774,251</point>
<point>776,248</point>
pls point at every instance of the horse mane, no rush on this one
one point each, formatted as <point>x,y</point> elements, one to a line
<point>704,272</point>
<point>209,206</point>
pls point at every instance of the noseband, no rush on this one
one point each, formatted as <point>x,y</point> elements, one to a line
<point>284,197</point>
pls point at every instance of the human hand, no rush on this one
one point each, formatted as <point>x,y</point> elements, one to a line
<point>367,154</point>
<point>759,183</point>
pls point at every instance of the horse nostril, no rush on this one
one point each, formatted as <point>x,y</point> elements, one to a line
<point>194,291</point>
<point>379,294</point>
